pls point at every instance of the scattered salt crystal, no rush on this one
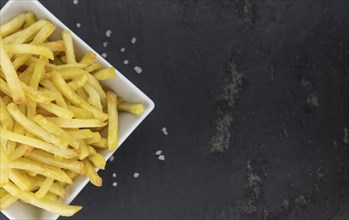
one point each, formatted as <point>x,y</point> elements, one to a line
<point>115,184</point>
<point>164,130</point>
<point>114,175</point>
<point>105,44</point>
<point>111,159</point>
<point>75,2</point>
<point>136,175</point>
<point>78,25</point>
<point>108,33</point>
<point>122,49</point>
<point>133,40</point>
<point>158,152</point>
<point>126,62</point>
<point>138,69</point>
<point>161,157</point>
<point>104,55</point>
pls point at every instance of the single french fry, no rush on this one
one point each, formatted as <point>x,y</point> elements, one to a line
<point>82,134</point>
<point>41,193</point>
<point>5,116</point>
<point>93,67</point>
<point>77,123</point>
<point>136,109</point>
<point>106,73</point>
<point>80,113</point>
<point>57,110</point>
<point>51,206</point>
<point>29,49</point>
<point>94,178</point>
<point>97,160</point>
<point>40,168</point>
<point>33,127</point>
<point>83,150</point>
<point>4,167</point>
<point>68,42</point>
<point>113,121</point>
<point>89,58</point>
<point>14,84</point>
<point>13,25</point>
<point>101,144</point>
<point>55,46</point>
<point>65,153</point>
<point>49,159</point>
<point>20,178</point>
<point>94,139</point>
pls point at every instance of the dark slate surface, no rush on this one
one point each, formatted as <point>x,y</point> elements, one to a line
<point>255,97</point>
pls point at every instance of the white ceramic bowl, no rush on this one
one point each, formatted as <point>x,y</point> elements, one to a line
<point>122,86</point>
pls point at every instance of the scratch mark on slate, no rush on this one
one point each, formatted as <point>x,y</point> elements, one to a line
<point>224,105</point>
<point>252,190</point>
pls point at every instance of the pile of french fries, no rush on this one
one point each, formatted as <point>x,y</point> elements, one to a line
<point>52,109</point>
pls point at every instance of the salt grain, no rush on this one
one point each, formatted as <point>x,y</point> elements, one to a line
<point>126,62</point>
<point>114,175</point>
<point>122,49</point>
<point>136,175</point>
<point>105,44</point>
<point>111,159</point>
<point>133,40</point>
<point>161,157</point>
<point>75,2</point>
<point>164,130</point>
<point>138,69</point>
<point>158,152</point>
<point>78,25</point>
<point>115,184</point>
<point>104,55</point>
<point>108,33</point>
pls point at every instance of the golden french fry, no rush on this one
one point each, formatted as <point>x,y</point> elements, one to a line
<point>59,98</point>
<point>95,84</point>
<point>51,196</point>
<point>77,123</point>
<point>55,188</point>
<point>78,82</point>
<point>4,168</point>
<point>106,73</point>
<point>82,134</point>
<point>93,67</point>
<point>65,153</point>
<point>83,150</point>
<point>20,178</point>
<point>89,58</point>
<point>5,116</point>
<point>94,139</point>
<point>68,42</point>
<point>14,84</point>
<point>57,110</point>
<point>29,49</point>
<point>51,206</point>
<point>49,159</point>
<point>136,109</point>
<point>101,144</point>
<point>43,34</point>
<point>97,160</point>
<point>40,168</point>
<point>41,193</point>
<point>55,46</point>
<point>95,179</point>
<point>113,121</point>
<point>80,113</point>
<point>12,26</point>
<point>33,127</point>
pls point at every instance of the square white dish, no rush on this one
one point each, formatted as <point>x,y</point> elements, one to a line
<point>121,85</point>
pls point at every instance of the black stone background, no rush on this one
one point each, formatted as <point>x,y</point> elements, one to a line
<point>255,97</point>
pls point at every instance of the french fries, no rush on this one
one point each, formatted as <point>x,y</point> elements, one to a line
<point>53,110</point>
